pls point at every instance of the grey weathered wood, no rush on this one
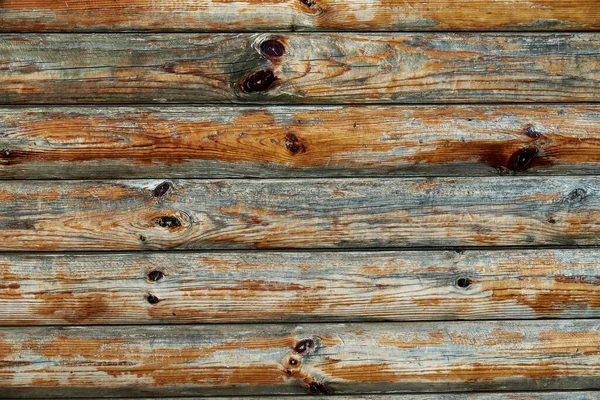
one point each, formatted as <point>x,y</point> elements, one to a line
<point>330,358</point>
<point>299,68</point>
<point>197,142</point>
<point>571,395</point>
<point>278,15</point>
<point>298,287</point>
<point>308,213</point>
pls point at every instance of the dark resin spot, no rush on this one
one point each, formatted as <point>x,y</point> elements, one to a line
<point>293,144</point>
<point>258,81</point>
<point>152,299</point>
<point>552,221</point>
<point>161,189</point>
<point>272,48</point>
<point>531,132</point>
<point>168,222</point>
<point>463,282</point>
<point>155,276</point>
<point>289,372</point>
<point>293,361</point>
<point>318,388</point>
<point>522,159</point>
<point>142,238</point>
<point>304,345</point>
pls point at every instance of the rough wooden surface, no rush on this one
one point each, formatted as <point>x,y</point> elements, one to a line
<point>289,359</point>
<point>308,213</point>
<point>151,288</point>
<point>571,395</point>
<point>186,142</point>
<point>299,68</point>
<point>278,15</point>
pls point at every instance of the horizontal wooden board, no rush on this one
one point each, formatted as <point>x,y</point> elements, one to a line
<point>298,68</point>
<point>278,15</point>
<point>571,395</point>
<point>307,213</point>
<point>151,288</point>
<point>290,359</point>
<point>209,142</point>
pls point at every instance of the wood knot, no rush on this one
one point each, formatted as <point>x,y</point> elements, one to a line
<point>576,195</point>
<point>463,282</point>
<point>168,222</point>
<point>294,362</point>
<point>272,48</point>
<point>522,159</point>
<point>531,132</point>
<point>162,189</point>
<point>311,7</point>
<point>152,299</point>
<point>155,276</point>
<point>293,144</point>
<point>304,345</point>
<point>258,81</point>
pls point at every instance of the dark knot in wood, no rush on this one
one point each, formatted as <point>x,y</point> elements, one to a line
<point>531,132</point>
<point>304,345</point>
<point>463,282</point>
<point>162,189</point>
<point>522,159</point>
<point>168,222</point>
<point>293,144</point>
<point>258,81</point>
<point>152,299</point>
<point>155,276</point>
<point>272,48</point>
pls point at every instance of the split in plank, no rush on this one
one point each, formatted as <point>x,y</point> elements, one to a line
<point>299,68</point>
<point>303,213</point>
<point>279,359</point>
<point>146,288</point>
<point>286,15</point>
<point>202,142</point>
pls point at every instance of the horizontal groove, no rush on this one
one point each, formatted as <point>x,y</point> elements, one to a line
<point>301,31</point>
<point>247,105</point>
<point>313,250</point>
<point>304,322</point>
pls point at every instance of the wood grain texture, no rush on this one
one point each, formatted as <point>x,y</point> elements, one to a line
<point>151,288</point>
<point>209,142</point>
<point>298,68</point>
<point>314,15</point>
<point>290,359</point>
<point>571,395</point>
<point>310,213</point>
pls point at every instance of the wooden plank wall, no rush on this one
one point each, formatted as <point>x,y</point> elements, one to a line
<point>401,202</point>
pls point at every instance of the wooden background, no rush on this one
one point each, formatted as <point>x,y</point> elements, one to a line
<point>382,200</point>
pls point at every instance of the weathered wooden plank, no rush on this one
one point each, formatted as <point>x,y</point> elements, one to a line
<point>571,395</point>
<point>289,359</point>
<point>559,395</point>
<point>309,213</point>
<point>150,288</point>
<point>185,142</point>
<point>299,68</point>
<point>278,15</point>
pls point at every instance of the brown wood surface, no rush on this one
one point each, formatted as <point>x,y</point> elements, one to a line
<point>299,68</point>
<point>153,288</point>
<point>278,15</point>
<point>289,359</point>
<point>197,142</point>
<point>307,213</point>
<point>561,395</point>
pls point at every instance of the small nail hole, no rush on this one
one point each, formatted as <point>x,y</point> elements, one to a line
<point>293,361</point>
<point>155,276</point>
<point>463,282</point>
